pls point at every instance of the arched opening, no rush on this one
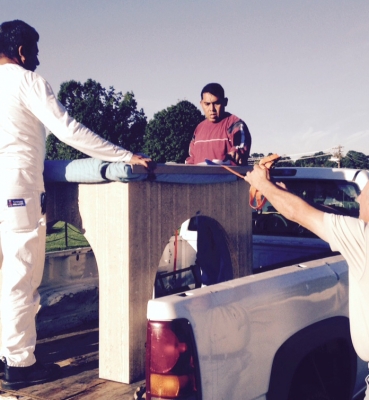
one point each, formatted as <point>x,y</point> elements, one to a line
<point>69,291</point>
<point>62,235</point>
<point>196,255</point>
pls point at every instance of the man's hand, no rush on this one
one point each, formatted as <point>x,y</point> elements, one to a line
<point>141,160</point>
<point>236,156</point>
<point>258,177</point>
<point>289,205</point>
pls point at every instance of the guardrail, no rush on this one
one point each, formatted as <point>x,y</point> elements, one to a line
<point>69,291</point>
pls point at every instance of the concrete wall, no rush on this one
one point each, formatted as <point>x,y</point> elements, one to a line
<point>69,291</point>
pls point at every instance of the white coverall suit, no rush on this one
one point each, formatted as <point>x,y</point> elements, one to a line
<point>27,105</point>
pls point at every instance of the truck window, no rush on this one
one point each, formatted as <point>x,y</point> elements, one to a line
<point>338,197</point>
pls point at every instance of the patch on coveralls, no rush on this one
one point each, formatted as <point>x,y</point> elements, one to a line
<point>16,203</point>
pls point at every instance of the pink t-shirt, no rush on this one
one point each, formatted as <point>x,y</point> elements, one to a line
<point>213,141</point>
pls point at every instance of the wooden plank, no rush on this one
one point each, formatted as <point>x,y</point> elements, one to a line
<point>108,390</point>
<point>77,354</point>
<point>96,389</point>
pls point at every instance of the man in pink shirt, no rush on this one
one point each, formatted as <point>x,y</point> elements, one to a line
<point>221,137</point>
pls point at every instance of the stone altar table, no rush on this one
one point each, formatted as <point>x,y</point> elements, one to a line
<point>128,226</point>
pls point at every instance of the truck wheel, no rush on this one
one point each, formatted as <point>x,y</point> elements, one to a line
<point>323,374</point>
<point>318,362</point>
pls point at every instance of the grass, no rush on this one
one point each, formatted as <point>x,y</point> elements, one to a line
<point>64,236</point>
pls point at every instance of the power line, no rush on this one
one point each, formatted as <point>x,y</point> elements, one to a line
<point>336,154</point>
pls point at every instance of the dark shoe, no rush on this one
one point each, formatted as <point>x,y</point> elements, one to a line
<point>140,393</point>
<point>19,377</point>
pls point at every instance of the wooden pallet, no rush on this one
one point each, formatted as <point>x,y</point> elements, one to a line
<point>77,353</point>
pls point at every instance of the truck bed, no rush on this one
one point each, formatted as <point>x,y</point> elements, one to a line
<point>238,325</point>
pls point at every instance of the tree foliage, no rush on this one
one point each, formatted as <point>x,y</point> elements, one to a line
<point>257,155</point>
<point>169,133</point>
<point>111,115</point>
<point>319,159</point>
<point>285,162</point>
<point>355,159</point>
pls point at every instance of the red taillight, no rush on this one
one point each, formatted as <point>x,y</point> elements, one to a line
<point>165,348</point>
<point>171,361</point>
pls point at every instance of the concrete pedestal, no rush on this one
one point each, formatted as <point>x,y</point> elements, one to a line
<point>128,226</point>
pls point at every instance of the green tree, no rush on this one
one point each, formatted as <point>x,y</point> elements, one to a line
<point>285,162</point>
<point>318,160</point>
<point>169,133</point>
<point>355,159</point>
<point>257,155</point>
<point>112,115</point>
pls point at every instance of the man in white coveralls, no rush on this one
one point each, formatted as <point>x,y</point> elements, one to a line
<point>27,106</point>
<point>348,235</point>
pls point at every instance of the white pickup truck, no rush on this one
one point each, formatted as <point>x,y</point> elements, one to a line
<point>281,333</point>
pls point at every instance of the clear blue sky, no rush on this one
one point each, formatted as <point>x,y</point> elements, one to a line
<point>295,70</point>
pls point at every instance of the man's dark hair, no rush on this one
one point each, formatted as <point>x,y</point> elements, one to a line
<point>215,89</point>
<point>14,34</point>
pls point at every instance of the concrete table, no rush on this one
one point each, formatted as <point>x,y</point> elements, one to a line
<point>128,226</point>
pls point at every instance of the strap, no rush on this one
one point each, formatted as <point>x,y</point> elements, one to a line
<point>233,172</point>
<point>256,199</point>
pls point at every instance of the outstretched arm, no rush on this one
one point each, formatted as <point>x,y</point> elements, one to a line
<point>191,149</point>
<point>288,204</point>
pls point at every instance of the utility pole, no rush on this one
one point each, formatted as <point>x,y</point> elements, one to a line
<point>337,155</point>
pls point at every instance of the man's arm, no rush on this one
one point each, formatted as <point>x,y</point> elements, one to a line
<point>241,143</point>
<point>289,205</point>
<point>190,158</point>
<point>44,105</point>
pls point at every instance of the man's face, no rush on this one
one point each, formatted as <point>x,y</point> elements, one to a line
<point>213,107</point>
<point>363,200</point>
<point>29,57</point>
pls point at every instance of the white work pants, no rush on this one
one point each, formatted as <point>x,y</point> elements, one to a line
<point>22,256</point>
